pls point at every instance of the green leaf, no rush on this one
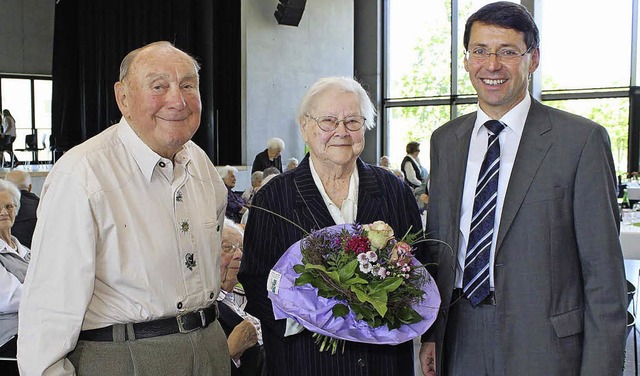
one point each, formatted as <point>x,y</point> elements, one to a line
<point>340,310</point>
<point>356,280</point>
<point>388,284</point>
<point>379,301</point>
<point>333,275</point>
<point>348,270</point>
<point>304,278</point>
<point>299,268</point>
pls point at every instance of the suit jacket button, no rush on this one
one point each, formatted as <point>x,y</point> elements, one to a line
<point>361,362</point>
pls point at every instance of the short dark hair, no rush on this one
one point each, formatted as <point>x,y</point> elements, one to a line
<point>412,147</point>
<point>509,16</point>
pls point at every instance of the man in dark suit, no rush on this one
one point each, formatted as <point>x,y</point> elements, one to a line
<point>550,299</point>
<point>26,219</point>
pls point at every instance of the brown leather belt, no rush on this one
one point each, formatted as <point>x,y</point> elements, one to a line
<point>183,323</point>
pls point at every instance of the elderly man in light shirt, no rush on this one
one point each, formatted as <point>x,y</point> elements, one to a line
<point>126,253</point>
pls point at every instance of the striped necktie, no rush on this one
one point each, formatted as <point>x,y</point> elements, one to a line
<point>475,281</point>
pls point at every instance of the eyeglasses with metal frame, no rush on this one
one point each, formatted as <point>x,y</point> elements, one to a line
<point>481,54</point>
<point>330,123</point>
<point>231,247</point>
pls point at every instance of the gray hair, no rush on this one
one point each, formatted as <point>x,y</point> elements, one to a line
<point>230,224</point>
<point>345,84</point>
<point>128,60</point>
<point>224,171</point>
<point>20,178</point>
<point>292,160</point>
<point>275,144</point>
<point>7,186</point>
<point>256,175</point>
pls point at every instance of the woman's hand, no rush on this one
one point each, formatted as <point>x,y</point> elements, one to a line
<point>243,336</point>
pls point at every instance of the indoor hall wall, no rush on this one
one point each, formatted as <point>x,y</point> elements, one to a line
<point>26,36</point>
<point>281,62</point>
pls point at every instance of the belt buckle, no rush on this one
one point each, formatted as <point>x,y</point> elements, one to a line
<point>181,328</point>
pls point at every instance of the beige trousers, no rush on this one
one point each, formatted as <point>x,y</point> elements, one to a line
<point>203,352</point>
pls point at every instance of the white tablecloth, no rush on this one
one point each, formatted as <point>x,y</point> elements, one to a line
<point>630,241</point>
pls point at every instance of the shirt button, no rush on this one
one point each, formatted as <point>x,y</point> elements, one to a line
<point>211,295</point>
<point>162,164</point>
<point>218,228</point>
<point>361,362</point>
<point>179,305</point>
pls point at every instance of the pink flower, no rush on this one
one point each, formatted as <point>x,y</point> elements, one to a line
<point>382,272</point>
<point>401,254</point>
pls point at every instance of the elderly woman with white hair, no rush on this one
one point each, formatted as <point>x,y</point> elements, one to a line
<point>236,206</point>
<point>14,260</point>
<point>331,185</point>
<point>269,157</point>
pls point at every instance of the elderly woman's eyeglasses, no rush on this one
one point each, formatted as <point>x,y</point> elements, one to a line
<point>8,207</point>
<point>231,247</point>
<point>503,55</point>
<point>330,123</point>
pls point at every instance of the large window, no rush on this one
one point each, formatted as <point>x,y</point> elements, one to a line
<point>29,101</point>
<point>586,62</point>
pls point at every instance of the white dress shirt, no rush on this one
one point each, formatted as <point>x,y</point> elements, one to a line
<point>348,212</point>
<point>410,173</point>
<point>509,140</point>
<point>123,236</point>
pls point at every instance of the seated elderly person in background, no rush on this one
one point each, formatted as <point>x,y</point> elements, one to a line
<point>292,163</point>
<point>25,222</point>
<point>384,162</point>
<point>332,185</point>
<point>244,335</point>
<point>14,260</point>
<point>235,204</point>
<point>270,157</point>
<point>256,182</point>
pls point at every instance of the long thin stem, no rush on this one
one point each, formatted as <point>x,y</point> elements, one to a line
<point>280,216</point>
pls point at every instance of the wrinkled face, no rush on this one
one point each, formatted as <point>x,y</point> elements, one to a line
<point>230,179</point>
<point>500,85</point>
<point>231,256</point>
<point>341,146</point>
<point>256,182</point>
<point>7,211</point>
<point>160,99</point>
<point>274,153</point>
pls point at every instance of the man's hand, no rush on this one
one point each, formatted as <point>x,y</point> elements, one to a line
<point>428,358</point>
<point>243,336</point>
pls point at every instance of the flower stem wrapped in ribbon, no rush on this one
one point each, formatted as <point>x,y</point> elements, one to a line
<point>355,283</point>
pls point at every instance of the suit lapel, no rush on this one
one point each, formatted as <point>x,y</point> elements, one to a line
<point>310,209</point>
<point>534,145</point>
<point>369,195</point>
<point>457,164</point>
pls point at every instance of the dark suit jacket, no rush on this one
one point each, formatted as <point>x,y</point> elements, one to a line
<point>262,161</point>
<point>559,274</point>
<point>293,194</point>
<point>25,221</point>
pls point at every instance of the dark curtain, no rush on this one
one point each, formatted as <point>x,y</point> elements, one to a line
<point>92,37</point>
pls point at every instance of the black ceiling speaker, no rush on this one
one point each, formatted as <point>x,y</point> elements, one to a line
<point>289,12</point>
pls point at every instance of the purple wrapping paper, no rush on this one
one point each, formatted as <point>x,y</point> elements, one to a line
<point>303,304</point>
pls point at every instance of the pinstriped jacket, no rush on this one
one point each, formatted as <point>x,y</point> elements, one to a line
<point>293,194</point>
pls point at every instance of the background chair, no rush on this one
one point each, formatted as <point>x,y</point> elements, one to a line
<point>31,144</point>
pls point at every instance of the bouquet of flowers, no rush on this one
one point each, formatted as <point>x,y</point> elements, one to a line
<point>355,283</point>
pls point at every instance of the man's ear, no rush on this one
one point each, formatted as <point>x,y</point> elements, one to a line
<point>120,89</point>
